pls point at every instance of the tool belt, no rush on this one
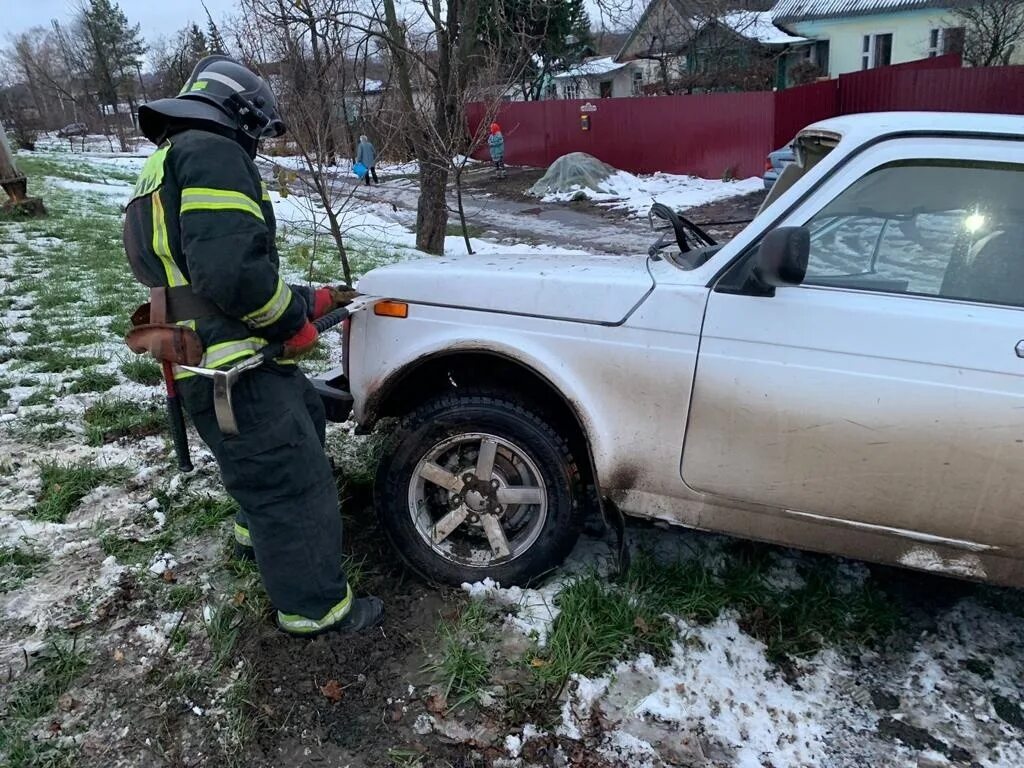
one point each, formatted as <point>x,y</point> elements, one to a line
<point>155,326</point>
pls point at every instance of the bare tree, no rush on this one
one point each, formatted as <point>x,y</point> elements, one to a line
<point>992,30</point>
<point>314,60</point>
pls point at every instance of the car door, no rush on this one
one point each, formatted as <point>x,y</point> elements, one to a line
<point>888,388</point>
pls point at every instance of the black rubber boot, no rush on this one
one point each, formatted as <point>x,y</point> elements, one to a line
<point>366,613</point>
<point>242,552</point>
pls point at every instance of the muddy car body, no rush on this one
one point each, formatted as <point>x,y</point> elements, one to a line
<point>844,376</point>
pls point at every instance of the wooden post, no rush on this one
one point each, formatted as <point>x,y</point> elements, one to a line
<point>15,184</point>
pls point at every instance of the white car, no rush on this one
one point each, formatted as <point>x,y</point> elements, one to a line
<point>846,375</point>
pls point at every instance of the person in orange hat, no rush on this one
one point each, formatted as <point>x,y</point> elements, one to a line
<point>496,143</point>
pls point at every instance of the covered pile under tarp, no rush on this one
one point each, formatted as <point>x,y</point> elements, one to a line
<point>573,173</point>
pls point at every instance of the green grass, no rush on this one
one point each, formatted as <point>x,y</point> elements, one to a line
<point>191,516</point>
<point>463,664</point>
<point>64,486</point>
<point>136,551</point>
<point>110,420</point>
<point>33,697</point>
<point>93,380</point>
<point>17,565</point>
<point>222,623</point>
<point>53,359</point>
<point>142,370</point>
<point>42,396</point>
<point>455,229</point>
<point>5,398</point>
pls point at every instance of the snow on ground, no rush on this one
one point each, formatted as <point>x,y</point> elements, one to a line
<point>718,701</point>
<point>376,227</point>
<point>343,167</point>
<point>627,191</point>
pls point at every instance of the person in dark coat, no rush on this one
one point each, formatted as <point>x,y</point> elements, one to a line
<point>366,154</point>
<point>200,229</point>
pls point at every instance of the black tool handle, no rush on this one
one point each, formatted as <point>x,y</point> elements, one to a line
<point>325,323</point>
<point>176,422</point>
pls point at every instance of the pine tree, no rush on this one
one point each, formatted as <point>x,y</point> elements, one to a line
<point>213,36</point>
<point>114,49</point>
<point>197,45</point>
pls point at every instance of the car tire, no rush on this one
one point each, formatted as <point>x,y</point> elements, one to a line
<point>455,416</point>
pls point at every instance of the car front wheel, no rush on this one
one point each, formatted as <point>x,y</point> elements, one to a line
<point>475,486</point>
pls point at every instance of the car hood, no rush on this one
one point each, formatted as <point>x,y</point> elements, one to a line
<point>595,289</point>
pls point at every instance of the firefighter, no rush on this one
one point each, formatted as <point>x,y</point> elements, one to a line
<point>199,231</point>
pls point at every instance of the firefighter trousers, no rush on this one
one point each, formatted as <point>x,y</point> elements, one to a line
<point>277,471</point>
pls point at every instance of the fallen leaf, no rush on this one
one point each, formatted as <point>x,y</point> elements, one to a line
<point>436,703</point>
<point>641,624</point>
<point>332,690</point>
<point>238,599</point>
<point>118,654</point>
<point>53,727</point>
<point>66,702</point>
<point>538,662</point>
<point>169,576</point>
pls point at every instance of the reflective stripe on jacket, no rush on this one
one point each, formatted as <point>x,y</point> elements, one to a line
<point>200,216</point>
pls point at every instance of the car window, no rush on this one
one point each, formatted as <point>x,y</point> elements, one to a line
<point>933,228</point>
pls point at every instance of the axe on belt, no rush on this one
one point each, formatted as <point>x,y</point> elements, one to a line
<point>224,380</point>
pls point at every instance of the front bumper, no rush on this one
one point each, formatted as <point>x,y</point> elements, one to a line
<point>333,389</point>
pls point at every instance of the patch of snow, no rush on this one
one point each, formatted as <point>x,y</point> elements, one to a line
<point>758,26</point>
<point>636,194</point>
<point>513,745</point>
<point>162,563</point>
<point>598,65</point>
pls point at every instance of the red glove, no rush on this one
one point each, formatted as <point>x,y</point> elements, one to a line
<point>330,298</point>
<point>302,342</point>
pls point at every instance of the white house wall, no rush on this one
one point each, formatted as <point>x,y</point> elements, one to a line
<point>910,35</point>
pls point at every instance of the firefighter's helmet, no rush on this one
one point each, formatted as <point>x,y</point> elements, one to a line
<point>221,91</point>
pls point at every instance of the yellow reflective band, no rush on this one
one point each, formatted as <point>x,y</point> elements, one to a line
<point>266,191</point>
<point>219,355</point>
<point>271,312</point>
<point>161,244</point>
<point>206,199</point>
<point>300,625</point>
<point>242,535</point>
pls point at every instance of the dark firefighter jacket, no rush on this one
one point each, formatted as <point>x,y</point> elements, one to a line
<point>200,216</point>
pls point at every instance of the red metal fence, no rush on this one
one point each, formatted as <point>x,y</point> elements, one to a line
<point>714,134</point>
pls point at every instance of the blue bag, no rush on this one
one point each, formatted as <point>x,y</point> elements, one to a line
<point>360,170</point>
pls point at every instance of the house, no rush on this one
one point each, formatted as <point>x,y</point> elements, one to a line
<point>852,35</point>
<point>694,46</point>
<point>598,78</point>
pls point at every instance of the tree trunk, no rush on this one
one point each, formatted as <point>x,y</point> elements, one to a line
<point>432,208</point>
<point>462,209</point>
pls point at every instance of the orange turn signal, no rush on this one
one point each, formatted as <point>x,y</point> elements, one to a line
<point>391,309</point>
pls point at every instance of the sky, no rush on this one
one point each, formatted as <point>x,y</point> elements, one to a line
<point>157,17</point>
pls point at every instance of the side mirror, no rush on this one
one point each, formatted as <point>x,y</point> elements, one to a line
<point>781,259</point>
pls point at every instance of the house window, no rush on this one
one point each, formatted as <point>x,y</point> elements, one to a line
<point>821,55</point>
<point>876,51</point>
<point>605,89</point>
<point>638,83</point>
<point>572,89</point>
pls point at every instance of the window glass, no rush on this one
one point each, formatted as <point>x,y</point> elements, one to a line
<point>932,228</point>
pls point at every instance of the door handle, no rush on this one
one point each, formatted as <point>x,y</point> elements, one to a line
<point>1019,349</point>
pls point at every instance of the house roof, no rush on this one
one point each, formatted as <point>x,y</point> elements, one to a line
<point>590,68</point>
<point>755,25</point>
<point>759,27</point>
<point>808,10</point>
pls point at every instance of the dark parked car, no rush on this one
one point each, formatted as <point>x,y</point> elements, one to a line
<point>774,164</point>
